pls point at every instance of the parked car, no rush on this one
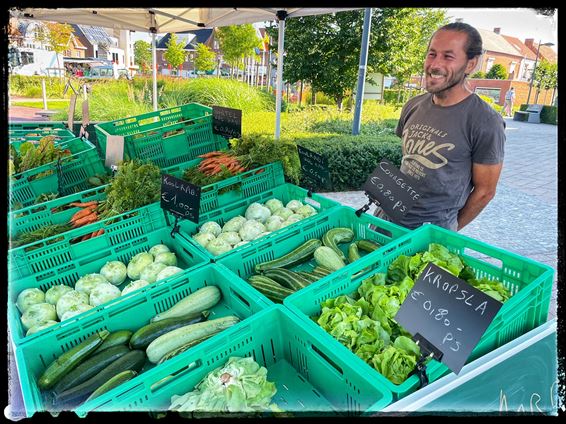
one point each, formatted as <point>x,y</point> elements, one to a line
<point>107,71</point>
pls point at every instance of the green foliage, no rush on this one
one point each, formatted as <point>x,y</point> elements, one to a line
<point>175,54</point>
<point>142,54</point>
<point>548,114</point>
<point>497,71</point>
<point>546,75</point>
<point>205,58</point>
<point>30,86</point>
<point>478,75</point>
<point>237,42</point>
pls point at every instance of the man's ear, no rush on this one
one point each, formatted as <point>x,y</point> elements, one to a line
<point>472,63</point>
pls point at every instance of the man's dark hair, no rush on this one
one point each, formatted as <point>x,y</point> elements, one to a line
<point>474,44</point>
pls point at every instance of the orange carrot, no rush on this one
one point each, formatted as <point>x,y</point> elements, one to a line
<point>86,237</point>
<point>82,213</point>
<point>84,205</point>
<point>85,220</point>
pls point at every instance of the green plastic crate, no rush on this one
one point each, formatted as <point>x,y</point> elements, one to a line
<point>52,255</point>
<point>310,378</point>
<point>129,313</point>
<point>167,136</point>
<point>36,125</point>
<point>75,172</point>
<point>284,192</point>
<point>530,283</point>
<point>277,244</point>
<point>38,134</point>
<point>107,247</point>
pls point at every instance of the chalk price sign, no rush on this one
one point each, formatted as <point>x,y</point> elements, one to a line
<point>227,121</point>
<point>448,312</point>
<point>180,198</point>
<point>396,192</point>
<point>314,167</point>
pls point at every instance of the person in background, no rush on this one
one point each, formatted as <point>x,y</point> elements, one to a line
<point>452,141</point>
<point>509,100</point>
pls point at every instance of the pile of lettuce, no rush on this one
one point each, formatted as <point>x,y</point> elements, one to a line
<point>363,321</point>
<point>240,385</point>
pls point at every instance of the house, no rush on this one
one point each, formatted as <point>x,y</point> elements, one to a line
<point>497,50</point>
<point>545,52</point>
<point>99,44</point>
<point>527,63</point>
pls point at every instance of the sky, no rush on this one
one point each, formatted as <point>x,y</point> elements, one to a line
<point>517,22</point>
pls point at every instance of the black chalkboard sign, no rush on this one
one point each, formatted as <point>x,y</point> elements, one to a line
<point>449,313</point>
<point>227,122</point>
<point>180,198</point>
<point>395,192</point>
<point>314,167</point>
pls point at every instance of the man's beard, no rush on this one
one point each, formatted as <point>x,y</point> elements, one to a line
<point>442,91</point>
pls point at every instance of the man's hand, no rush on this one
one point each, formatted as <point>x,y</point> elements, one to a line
<point>484,180</point>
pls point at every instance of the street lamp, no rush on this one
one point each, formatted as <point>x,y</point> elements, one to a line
<point>535,68</point>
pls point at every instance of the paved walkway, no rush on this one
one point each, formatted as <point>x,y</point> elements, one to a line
<point>522,218</point>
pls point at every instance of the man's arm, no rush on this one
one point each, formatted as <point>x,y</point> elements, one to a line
<point>484,179</point>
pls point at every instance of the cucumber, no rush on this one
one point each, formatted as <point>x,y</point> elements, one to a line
<point>133,360</point>
<point>174,339</point>
<point>186,346</point>
<point>94,364</point>
<point>270,288</point>
<point>148,333</point>
<point>353,252</point>
<point>322,270</point>
<point>70,359</point>
<point>319,274</point>
<point>301,254</point>
<point>287,278</point>
<point>368,245</point>
<point>335,236</point>
<point>327,257</point>
<point>309,276</point>
<point>193,304</point>
<point>121,337</point>
<point>113,382</point>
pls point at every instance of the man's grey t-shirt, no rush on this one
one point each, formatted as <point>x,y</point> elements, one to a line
<point>440,144</point>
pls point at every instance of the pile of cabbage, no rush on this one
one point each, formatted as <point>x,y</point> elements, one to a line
<point>43,309</point>
<point>259,220</point>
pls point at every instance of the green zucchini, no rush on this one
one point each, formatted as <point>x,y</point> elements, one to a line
<point>174,339</point>
<point>353,252</point>
<point>287,278</point>
<point>301,254</point>
<point>335,236</point>
<point>70,359</point>
<point>368,245</point>
<point>322,270</point>
<point>113,382</point>
<point>133,360</point>
<point>148,333</point>
<point>185,347</point>
<point>319,274</point>
<point>191,305</point>
<point>121,337</point>
<point>309,276</point>
<point>91,366</point>
<point>327,257</point>
<point>270,288</point>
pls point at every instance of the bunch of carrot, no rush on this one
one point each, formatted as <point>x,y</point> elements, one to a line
<point>87,215</point>
<point>214,162</point>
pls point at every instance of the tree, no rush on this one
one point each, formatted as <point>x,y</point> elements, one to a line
<point>237,42</point>
<point>324,50</point>
<point>497,71</point>
<point>205,59</point>
<point>175,54</point>
<point>478,75</point>
<point>56,36</point>
<point>545,77</point>
<point>142,53</point>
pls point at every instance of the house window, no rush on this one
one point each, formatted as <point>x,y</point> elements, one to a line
<point>27,58</point>
<point>512,66</point>
<point>115,57</point>
<point>489,64</point>
<point>77,54</point>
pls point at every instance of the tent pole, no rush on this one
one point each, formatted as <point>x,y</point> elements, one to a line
<point>281,15</point>
<point>154,67</point>
<point>362,72</point>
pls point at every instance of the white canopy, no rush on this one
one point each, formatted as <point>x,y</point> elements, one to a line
<point>177,19</point>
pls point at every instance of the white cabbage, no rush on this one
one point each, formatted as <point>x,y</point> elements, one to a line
<point>241,243</point>
<point>37,314</point>
<point>218,246</point>
<point>167,258</point>
<point>306,210</point>
<point>150,272</point>
<point>258,212</point>
<point>283,213</point>
<point>158,248</point>
<point>115,272</point>
<point>294,218</point>
<point>75,310</point>
<point>168,272</point>
<point>134,285</point>
<point>234,224</point>
<point>230,237</point>
<point>211,227</point>
<point>103,293</point>
<point>53,294</point>
<point>69,299</point>
<point>203,238</point>
<point>38,327</point>
<point>294,205</point>
<point>87,282</point>
<point>251,229</point>
<point>138,263</point>
<point>273,223</point>
<point>273,205</point>
<point>28,297</point>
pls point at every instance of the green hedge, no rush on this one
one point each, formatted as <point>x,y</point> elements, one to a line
<point>548,114</point>
<point>352,158</point>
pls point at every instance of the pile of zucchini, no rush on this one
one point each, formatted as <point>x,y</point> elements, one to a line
<point>105,360</point>
<point>276,281</point>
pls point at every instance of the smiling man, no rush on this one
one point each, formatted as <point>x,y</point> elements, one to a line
<point>452,141</point>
